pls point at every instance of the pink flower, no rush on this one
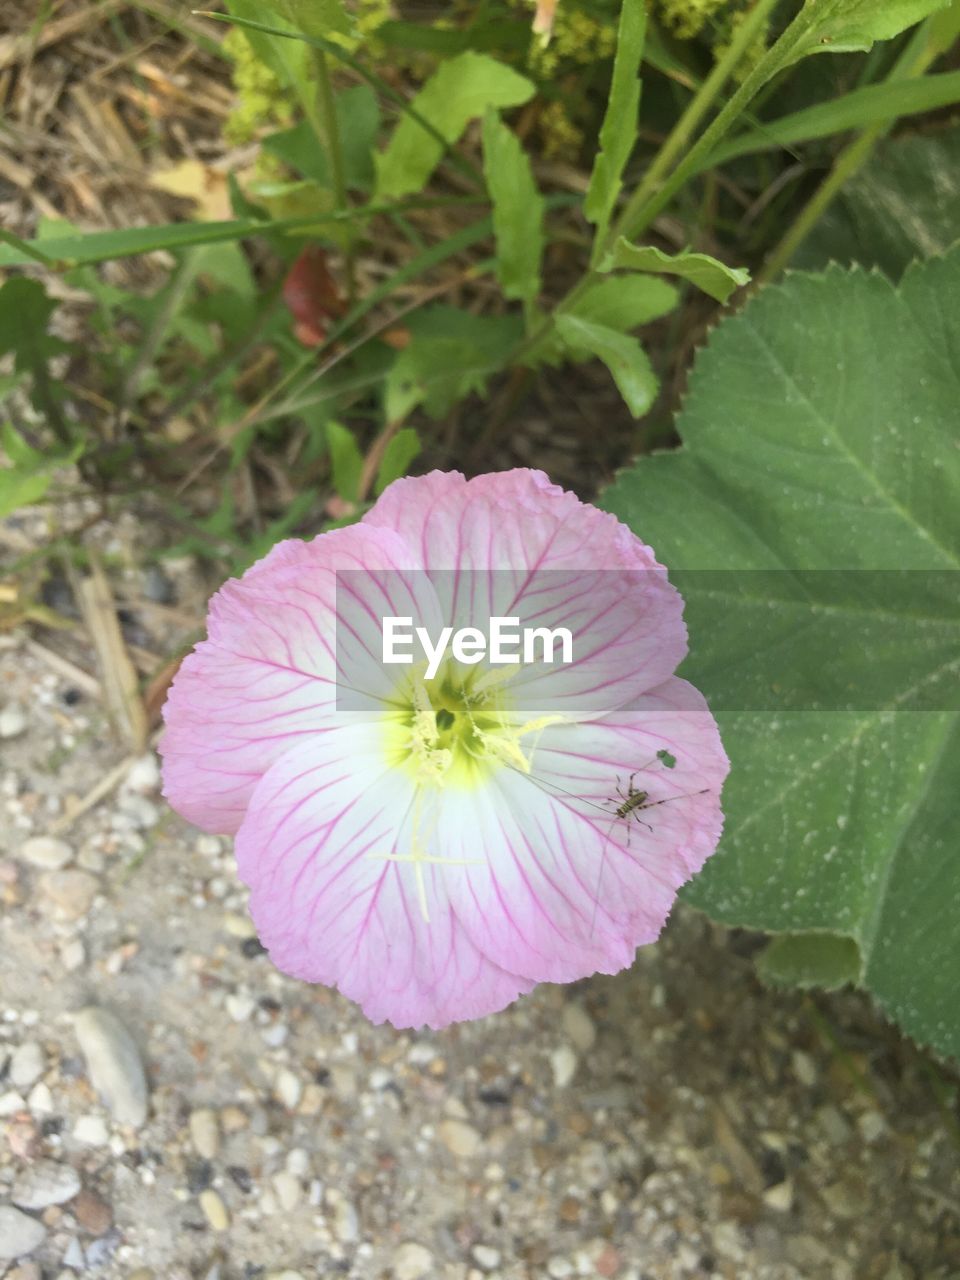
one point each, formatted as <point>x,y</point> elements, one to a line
<point>442,846</point>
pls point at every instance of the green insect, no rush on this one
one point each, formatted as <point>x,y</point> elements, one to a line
<point>635,800</point>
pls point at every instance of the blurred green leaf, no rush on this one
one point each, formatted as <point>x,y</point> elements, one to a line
<point>358,118</point>
<point>618,133</point>
<point>451,354</point>
<point>518,209</point>
<point>902,205</point>
<point>287,59</point>
<point>316,17</point>
<point>624,357</point>
<point>25,311</point>
<point>493,34</point>
<point>713,277</point>
<point>460,91</point>
<point>397,456</point>
<point>813,959</point>
<point>20,489</point>
<point>871,104</point>
<point>346,461</point>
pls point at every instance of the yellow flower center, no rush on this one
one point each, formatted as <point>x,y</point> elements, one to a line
<point>452,730</point>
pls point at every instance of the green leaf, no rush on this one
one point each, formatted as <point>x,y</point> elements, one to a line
<point>315,17</point>
<point>625,303</point>
<point>287,59</point>
<point>25,312</point>
<point>618,133</point>
<point>103,246</point>
<point>460,91</point>
<point>902,205</point>
<point>451,354</point>
<point>810,960</point>
<point>709,275</point>
<point>518,209</point>
<point>358,121</point>
<point>399,453</point>
<point>871,104</point>
<point>844,26</point>
<point>346,461</point>
<point>20,489</point>
<point>624,357</point>
<point>819,434</point>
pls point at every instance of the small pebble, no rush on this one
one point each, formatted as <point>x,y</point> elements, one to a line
<point>239,1007</point>
<point>44,1183</point>
<point>40,1100</point>
<point>804,1068</point>
<point>411,1261</point>
<point>46,852</point>
<point>113,1064</point>
<point>214,1210</point>
<point>74,1256</point>
<point>289,1089</point>
<point>13,722</point>
<point>205,1133</point>
<point>91,1131</point>
<point>92,1213</point>
<point>344,1220</point>
<point>19,1234</point>
<point>73,955</point>
<point>459,1137</point>
<point>579,1026</point>
<point>485,1257</point>
<point>780,1196</point>
<point>26,1065</point>
<point>71,892</point>
<point>144,775</point>
<point>563,1063</point>
<point>142,812</point>
<point>287,1190</point>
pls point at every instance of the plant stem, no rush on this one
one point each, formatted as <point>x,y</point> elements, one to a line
<point>646,203</point>
<point>934,37</point>
<point>641,209</point>
<point>327,125</point>
<point>179,287</point>
<point>7,237</point>
<point>679,138</point>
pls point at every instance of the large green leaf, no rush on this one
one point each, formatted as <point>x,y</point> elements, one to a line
<point>709,274</point>
<point>460,91</point>
<point>844,26</point>
<point>820,434</point>
<point>902,205</point>
<point>517,210</point>
<point>618,133</point>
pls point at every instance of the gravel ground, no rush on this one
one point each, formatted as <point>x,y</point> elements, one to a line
<point>172,1108</point>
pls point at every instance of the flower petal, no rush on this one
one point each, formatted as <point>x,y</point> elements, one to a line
<point>512,544</point>
<point>331,908</point>
<point>569,888</point>
<point>265,676</point>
